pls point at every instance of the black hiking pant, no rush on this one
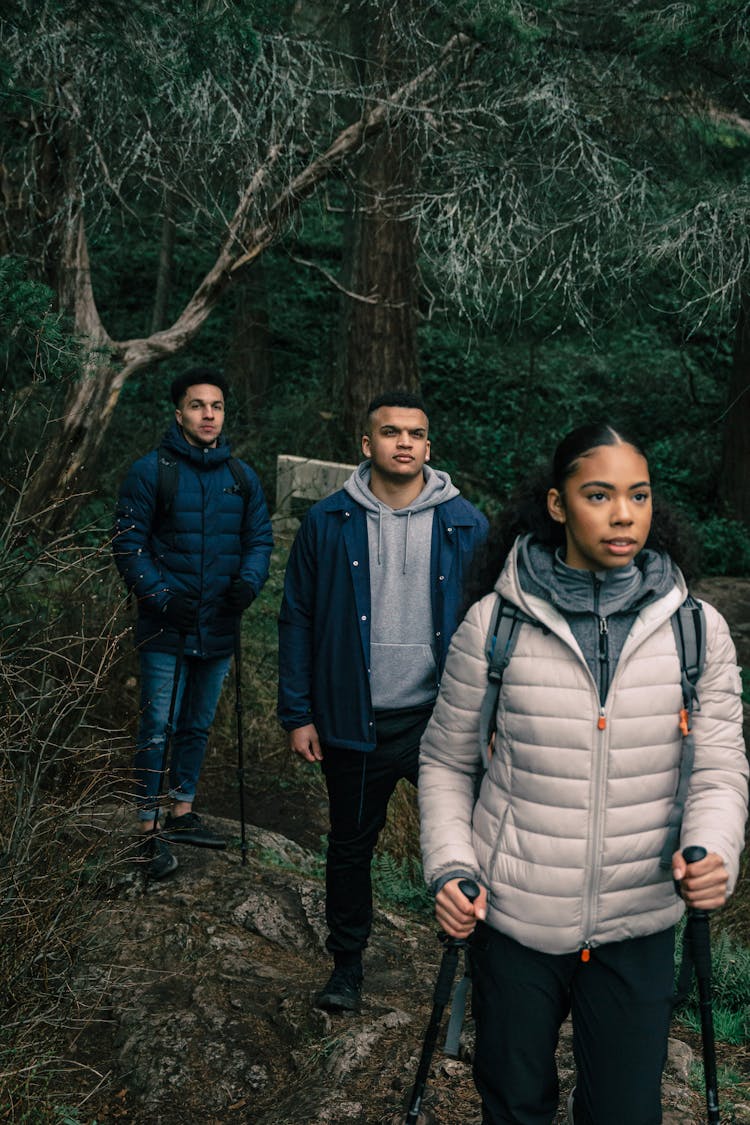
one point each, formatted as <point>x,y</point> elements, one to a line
<point>360,786</point>
<point>621,1003</point>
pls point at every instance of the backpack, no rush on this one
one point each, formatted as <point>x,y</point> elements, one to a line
<point>688,626</point>
<point>169,476</point>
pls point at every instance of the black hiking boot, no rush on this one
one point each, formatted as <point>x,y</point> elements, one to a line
<point>154,852</point>
<point>190,829</point>
<point>343,991</point>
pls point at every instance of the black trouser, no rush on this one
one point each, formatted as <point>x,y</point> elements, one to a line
<point>360,786</point>
<point>621,1002</point>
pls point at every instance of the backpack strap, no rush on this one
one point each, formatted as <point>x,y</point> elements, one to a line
<point>689,628</point>
<point>502,634</point>
<point>169,477</point>
<point>498,648</point>
<point>240,480</point>
<point>452,1046</point>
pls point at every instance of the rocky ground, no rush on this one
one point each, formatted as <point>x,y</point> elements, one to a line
<point>205,986</point>
<point>207,982</point>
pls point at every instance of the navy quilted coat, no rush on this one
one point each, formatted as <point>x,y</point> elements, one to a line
<point>208,538</point>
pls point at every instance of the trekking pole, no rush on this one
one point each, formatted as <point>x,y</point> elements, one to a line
<point>179,659</point>
<point>440,998</point>
<point>240,749</point>
<point>700,944</point>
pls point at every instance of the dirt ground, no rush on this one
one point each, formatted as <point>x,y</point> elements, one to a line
<point>207,981</point>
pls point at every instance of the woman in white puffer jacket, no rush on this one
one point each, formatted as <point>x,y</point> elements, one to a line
<point>575,912</point>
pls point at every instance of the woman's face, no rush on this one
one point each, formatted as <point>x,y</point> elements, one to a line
<point>605,507</point>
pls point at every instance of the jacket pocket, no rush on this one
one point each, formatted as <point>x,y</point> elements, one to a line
<point>402,675</point>
<point>498,839</point>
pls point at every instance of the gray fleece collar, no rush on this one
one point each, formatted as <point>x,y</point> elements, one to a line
<point>544,573</point>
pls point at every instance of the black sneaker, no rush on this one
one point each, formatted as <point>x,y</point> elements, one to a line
<point>343,991</point>
<point>157,855</point>
<point>190,829</point>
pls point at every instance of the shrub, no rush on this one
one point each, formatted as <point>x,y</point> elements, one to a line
<point>725,546</point>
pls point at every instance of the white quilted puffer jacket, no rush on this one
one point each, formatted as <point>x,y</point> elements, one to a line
<point>571,817</point>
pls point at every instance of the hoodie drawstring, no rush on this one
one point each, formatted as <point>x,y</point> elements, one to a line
<point>406,539</point>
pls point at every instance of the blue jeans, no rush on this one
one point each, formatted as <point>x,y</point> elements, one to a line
<point>198,693</point>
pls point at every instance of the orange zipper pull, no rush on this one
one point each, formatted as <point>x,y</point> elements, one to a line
<point>684,722</point>
<point>586,953</point>
<point>602,722</point>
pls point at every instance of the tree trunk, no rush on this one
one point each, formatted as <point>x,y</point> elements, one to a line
<point>734,490</point>
<point>164,270</point>
<point>379,332</point>
<point>249,364</point>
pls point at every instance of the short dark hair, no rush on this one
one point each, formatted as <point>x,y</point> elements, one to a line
<point>192,377</point>
<point>406,399</point>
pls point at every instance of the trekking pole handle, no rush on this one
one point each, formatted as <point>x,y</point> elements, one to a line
<point>692,854</point>
<point>695,854</point>
<point>469,889</point>
<point>453,945</point>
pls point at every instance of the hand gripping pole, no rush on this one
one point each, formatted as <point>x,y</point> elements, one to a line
<point>440,998</point>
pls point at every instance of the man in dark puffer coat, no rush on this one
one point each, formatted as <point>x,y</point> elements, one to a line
<point>195,560</point>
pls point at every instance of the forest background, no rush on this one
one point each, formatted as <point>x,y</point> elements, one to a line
<point>535,213</point>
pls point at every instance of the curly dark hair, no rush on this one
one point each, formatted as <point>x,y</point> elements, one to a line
<point>192,377</point>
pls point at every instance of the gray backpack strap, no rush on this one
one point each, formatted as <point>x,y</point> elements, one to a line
<point>452,1045</point>
<point>689,628</point>
<point>502,634</point>
<point>498,649</point>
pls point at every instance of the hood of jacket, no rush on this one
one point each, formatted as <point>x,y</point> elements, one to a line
<point>565,601</point>
<point>544,572</point>
<point>438,487</point>
<point>175,441</point>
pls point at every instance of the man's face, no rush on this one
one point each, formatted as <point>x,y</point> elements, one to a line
<point>397,442</point>
<point>201,414</point>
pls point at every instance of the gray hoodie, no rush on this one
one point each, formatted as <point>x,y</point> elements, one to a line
<point>403,670</point>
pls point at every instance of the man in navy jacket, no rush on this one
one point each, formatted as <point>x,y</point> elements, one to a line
<point>372,595</point>
<point>193,541</point>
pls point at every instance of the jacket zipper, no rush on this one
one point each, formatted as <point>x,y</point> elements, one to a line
<point>594,849</point>
<point>201,477</point>
<point>599,776</point>
<point>603,646</point>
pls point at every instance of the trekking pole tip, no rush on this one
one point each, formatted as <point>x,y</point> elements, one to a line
<point>424,1117</point>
